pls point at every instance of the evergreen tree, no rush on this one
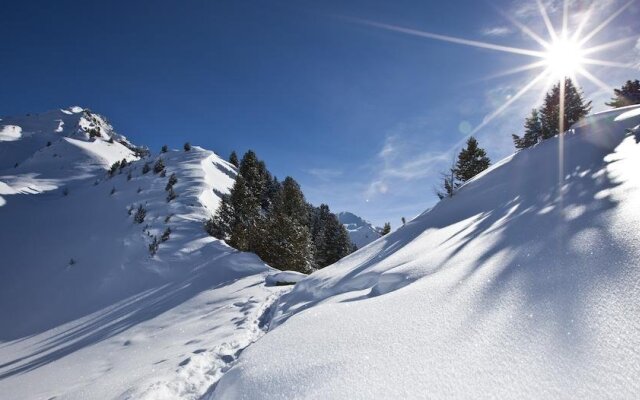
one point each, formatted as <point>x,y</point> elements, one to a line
<point>449,184</point>
<point>292,201</point>
<point>404,221</point>
<point>627,95</point>
<point>164,149</point>
<point>532,131</point>
<point>187,146</point>
<point>330,238</point>
<point>158,166</point>
<point>575,108</point>
<point>385,229</point>
<point>471,161</point>
<point>233,159</point>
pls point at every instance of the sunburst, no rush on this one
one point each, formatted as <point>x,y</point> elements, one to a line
<point>563,54</point>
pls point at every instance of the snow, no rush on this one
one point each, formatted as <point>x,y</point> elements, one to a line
<point>523,285</point>
<point>361,232</point>
<point>116,322</point>
<point>285,278</point>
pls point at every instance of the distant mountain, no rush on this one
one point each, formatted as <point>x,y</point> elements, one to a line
<point>361,232</point>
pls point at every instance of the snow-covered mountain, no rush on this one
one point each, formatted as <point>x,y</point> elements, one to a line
<point>86,311</point>
<point>361,232</point>
<point>523,285</point>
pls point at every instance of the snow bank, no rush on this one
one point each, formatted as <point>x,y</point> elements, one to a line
<point>284,278</point>
<point>524,285</point>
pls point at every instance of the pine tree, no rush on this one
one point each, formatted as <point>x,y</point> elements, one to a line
<point>449,184</point>
<point>146,168</point>
<point>158,166</point>
<point>187,146</point>
<point>532,131</point>
<point>330,238</point>
<point>404,221</point>
<point>140,214</point>
<point>627,95</point>
<point>575,108</point>
<point>292,201</point>
<point>233,159</point>
<point>471,161</point>
<point>164,149</point>
<point>385,229</point>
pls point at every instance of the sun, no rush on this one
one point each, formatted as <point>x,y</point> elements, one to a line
<point>564,53</point>
<point>564,58</point>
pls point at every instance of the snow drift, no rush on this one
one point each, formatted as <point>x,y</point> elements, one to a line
<point>524,285</point>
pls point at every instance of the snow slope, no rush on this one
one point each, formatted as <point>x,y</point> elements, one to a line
<point>360,231</point>
<point>524,285</point>
<point>86,312</point>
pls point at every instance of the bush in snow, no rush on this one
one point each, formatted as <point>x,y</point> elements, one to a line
<point>146,168</point>
<point>113,190</point>
<point>111,140</point>
<point>129,176</point>
<point>65,191</point>
<point>165,235</point>
<point>187,146</point>
<point>48,144</point>
<point>140,214</point>
<point>167,218</point>
<point>153,246</point>
<point>173,179</point>
<point>164,149</point>
<point>158,166</point>
<point>123,163</point>
<point>385,229</point>
<point>171,195</point>
<point>72,262</point>
<point>139,190</point>
<point>114,167</point>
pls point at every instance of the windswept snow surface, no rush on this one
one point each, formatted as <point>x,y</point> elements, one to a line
<point>361,232</point>
<point>85,311</point>
<point>523,285</point>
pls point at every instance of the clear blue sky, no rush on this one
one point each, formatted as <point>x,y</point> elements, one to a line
<point>363,117</point>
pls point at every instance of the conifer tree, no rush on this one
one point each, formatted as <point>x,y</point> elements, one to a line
<point>471,161</point>
<point>627,95</point>
<point>233,159</point>
<point>385,229</point>
<point>158,166</point>
<point>449,184</point>
<point>532,131</point>
<point>575,108</point>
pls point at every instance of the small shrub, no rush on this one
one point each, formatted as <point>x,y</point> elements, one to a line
<point>187,146</point>
<point>171,195</point>
<point>167,218</point>
<point>48,144</point>
<point>158,166</point>
<point>123,163</point>
<point>113,190</point>
<point>146,168</point>
<point>139,189</point>
<point>141,213</point>
<point>165,235</point>
<point>111,140</point>
<point>72,262</point>
<point>173,179</point>
<point>114,167</point>
<point>164,149</point>
<point>65,191</point>
<point>153,246</point>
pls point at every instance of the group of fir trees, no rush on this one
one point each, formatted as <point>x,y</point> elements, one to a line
<point>470,162</point>
<point>627,95</point>
<point>555,116</point>
<point>273,220</point>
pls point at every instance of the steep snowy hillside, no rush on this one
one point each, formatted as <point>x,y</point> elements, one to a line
<point>360,231</point>
<point>98,300</point>
<point>523,285</point>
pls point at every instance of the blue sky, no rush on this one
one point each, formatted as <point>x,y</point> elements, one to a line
<point>363,117</point>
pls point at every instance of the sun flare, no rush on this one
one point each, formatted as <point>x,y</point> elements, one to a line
<point>564,58</point>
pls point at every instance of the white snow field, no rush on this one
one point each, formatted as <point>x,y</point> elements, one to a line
<point>523,285</point>
<point>361,232</point>
<point>85,311</point>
